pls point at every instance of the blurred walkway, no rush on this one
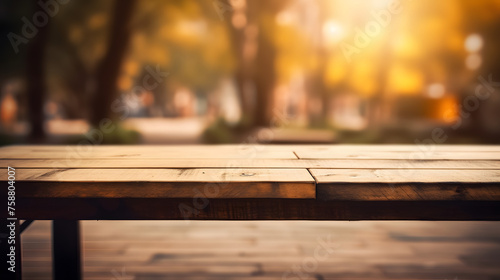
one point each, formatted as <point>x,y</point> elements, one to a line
<point>125,250</point>
<point>152,130</point>
<point>168,131</point>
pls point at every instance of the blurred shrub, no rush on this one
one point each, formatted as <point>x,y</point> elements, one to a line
<point>120,135</point>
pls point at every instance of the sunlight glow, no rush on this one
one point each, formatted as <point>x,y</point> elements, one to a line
<point>286,18</point>
<point>436,90</point>
<point>332,32</point>
<point>474,43</point>
<point>473,61</point>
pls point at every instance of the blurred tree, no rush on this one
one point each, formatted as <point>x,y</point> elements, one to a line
<point>108,69</point>
<point>255,27</point>
<point>187,39</point>
<point>241,36</point>
<point>263,14</point>
<point>76,45</point>
<point>36,84</point>
<point>481,28</point>
<point>317,81</point>
<point>13,63</point>
<point>483,19</point>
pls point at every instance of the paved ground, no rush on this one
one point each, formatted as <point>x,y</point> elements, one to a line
<point>124,250</point>
<point>152,130</point>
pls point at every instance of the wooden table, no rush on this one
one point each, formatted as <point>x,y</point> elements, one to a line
<point>247,182</point>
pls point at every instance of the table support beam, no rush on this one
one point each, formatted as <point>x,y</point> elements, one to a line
<point>257,209</point>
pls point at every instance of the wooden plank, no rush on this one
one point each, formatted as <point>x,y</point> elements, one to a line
<point>425,148</point>
<point>408,192</point>
<point>250,163</point>
<point>255,209</point>
<point>77,152</point>
<point>155,163</point>
<point>399,164</point>
<point>404,152</point>
<point>407,185</point>
<point>402,155</point>
<point>164,183</point>
<point>323,176</point>
<point>244,148</point>
<point>162,175</point>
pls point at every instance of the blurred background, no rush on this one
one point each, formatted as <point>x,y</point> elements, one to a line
<point>256,71</point>
<point>221,71</point>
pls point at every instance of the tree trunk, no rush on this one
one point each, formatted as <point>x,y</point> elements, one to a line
<point>109,68</point>
<point>261,71</point>
<point>36,86</point>
<point>242,73</point>
<point>316,85</point>
<point>265,77</point>
<point>264,74</point>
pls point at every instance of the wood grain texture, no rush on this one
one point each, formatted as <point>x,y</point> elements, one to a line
<point>163,175</point>
<point>164,183</point>
<point>286,147</point>
<point>158,163</point>
<point>408,192</point>
<point>250,163</point>
<point>404,176</point>
<point>394,148</point>
<point>77,152</point>
<point>402,155</point>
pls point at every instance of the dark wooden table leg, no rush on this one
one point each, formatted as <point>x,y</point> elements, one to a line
<point>66,250</point>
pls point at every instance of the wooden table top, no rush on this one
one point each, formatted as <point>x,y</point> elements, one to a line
<point>323,173</point>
